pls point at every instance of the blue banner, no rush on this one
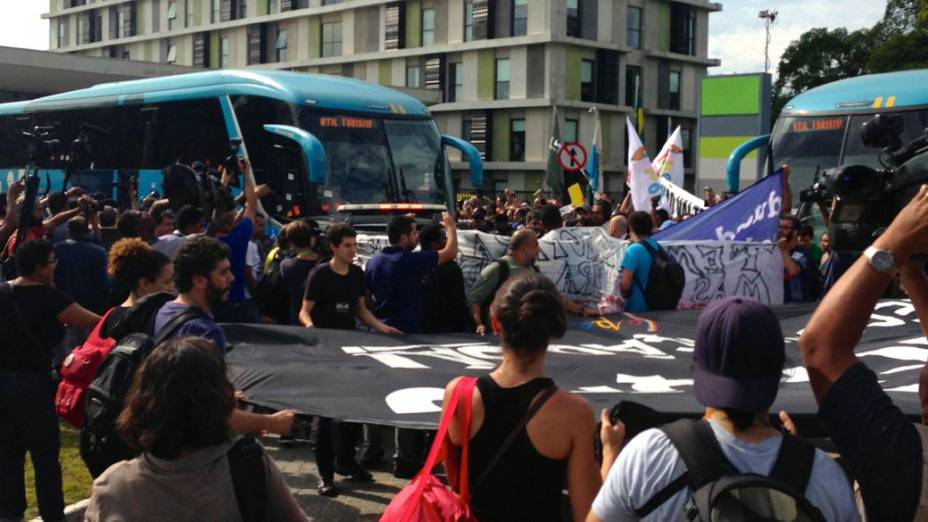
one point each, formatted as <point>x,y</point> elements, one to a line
<point>752,215</point>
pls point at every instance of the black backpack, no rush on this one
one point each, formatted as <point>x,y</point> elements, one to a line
<point>271,294</point>
<point>718,491</point>
<point>100,443</point>
<point>666,280</point>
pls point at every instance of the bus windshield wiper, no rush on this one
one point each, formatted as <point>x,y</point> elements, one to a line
<point>408,195</point>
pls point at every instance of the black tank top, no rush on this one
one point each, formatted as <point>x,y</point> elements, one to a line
<point>524,484</point>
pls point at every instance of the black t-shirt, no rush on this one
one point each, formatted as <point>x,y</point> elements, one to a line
<point>879,442</point>
<point>39,306</point>
<point>335,297</point>
<point>295,272</point>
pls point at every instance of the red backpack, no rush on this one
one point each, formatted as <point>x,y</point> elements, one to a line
<point>77,373</point>
<point>426,499</point>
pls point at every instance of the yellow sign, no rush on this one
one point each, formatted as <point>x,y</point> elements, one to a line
<point>576,195</point>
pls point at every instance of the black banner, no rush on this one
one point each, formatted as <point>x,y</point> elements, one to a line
<point>399,380</point>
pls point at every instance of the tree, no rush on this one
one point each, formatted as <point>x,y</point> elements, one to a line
<point>822,56</point>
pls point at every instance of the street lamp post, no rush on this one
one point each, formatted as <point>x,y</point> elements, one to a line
<point>769,16</point>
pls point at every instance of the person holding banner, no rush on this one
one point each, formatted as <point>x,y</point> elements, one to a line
<point>526,436</point>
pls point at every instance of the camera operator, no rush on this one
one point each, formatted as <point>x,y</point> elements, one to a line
<point>884,449</point>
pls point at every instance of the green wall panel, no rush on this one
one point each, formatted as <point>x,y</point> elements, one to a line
<point>413,24</point>
<point>572,76</point>
<point>721,146</point>
<point>262,7</point>
<point>385,72</point>
<point>149,51</point>
<point>315,36</point>
<point>729,96</point>
<point>198,14</point>
<point>500,136</point>
<point>214,49</point>
<point>486,74</point>
<point>663,28</point>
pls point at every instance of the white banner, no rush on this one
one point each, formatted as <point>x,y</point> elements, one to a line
<point>584,264</point>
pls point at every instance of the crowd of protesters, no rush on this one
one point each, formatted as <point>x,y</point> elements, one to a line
<point>85,264</point>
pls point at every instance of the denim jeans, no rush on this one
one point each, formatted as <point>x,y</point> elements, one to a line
<point>28,423</point>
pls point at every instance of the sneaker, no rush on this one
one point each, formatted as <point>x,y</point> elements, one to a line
<point>328,489</point>
<point>355,473</point>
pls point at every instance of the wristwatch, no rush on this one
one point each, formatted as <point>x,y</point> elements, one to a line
<point>881,260</point>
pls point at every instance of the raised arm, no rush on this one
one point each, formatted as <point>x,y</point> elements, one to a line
<point>450,252</point>
<point>835,328</point>
<point>251,197</point>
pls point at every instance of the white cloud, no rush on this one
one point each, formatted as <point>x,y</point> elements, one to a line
<point>736,34</point>
<point>21,24</point>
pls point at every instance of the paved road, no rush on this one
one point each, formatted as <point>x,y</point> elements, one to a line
<point>357,501</point>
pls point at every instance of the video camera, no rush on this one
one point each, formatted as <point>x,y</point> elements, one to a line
<point>866,200</point>
<point>195,185</point>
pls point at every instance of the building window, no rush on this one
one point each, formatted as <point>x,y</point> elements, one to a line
<point>673,87</point>
<point>273,6</point>
<point>517,140</point>
<point>126,55</point>
<point>413,77</point>
<point>519,17</point>
<point>570,131</point>
<point>188,13</point>
<point>332,39</point>
<point>502,79</point>
<point>223,52</point>
<point>172,16</point>
<point>428,27</point>
<point>587,85</point>
<point>215,11</point>
<point>172,53</point>
<point>457,82</point>
<point>573,18</point>
<point>682,28</point>
<point>633,27</point>
<point>83,29</point>
<point>633,86</point>
<point>281,46</point>
<point>331,2</point>
<point>62,33</point>
<point>242,9</point>
<point>468,20</point>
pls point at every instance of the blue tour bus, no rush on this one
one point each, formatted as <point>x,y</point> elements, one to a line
<point>821,128</point>
<point>324,144</point>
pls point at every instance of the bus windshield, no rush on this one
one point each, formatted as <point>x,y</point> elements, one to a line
<point>378,160</point>
<point>807,144</point>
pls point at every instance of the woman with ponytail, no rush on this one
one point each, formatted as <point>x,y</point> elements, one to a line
<point>527,438</point>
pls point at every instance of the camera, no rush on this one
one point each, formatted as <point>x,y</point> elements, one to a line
<point>45,149</point>
<point>865,200</point>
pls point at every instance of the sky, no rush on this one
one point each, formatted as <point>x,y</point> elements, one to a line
<point>736,34</point>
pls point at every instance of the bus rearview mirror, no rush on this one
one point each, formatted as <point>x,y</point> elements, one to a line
<point>472,155</point>
<point>309,144</point>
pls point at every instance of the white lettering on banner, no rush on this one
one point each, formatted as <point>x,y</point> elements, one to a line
<point>904,308</point>
<point>899,353</point>
<point>415,400</point>
<point>399,357</point>
<point>884,321</point>
<point>585,264</point>
<point>766,210</point>
<point>796,374</point>
<point>652,383</point>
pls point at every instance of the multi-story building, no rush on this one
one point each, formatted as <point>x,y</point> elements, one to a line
<point>491,70</point>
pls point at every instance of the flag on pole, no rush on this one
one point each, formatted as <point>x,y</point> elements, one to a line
<point>597,183</point>
<point>554,175</point>
<point>669,163</point>
<point>641,177</point>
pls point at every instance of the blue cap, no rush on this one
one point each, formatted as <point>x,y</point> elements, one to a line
<point>739,355</point>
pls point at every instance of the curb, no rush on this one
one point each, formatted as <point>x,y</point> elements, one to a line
<point>72,513</point>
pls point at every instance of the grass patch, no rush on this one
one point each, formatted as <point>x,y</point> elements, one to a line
<point>75,478</point>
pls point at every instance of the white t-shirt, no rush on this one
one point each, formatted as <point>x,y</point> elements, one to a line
<point>650,461</point>
<point>252,259</point>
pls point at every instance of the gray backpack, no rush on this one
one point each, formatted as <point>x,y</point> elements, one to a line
<point>719,492</point>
